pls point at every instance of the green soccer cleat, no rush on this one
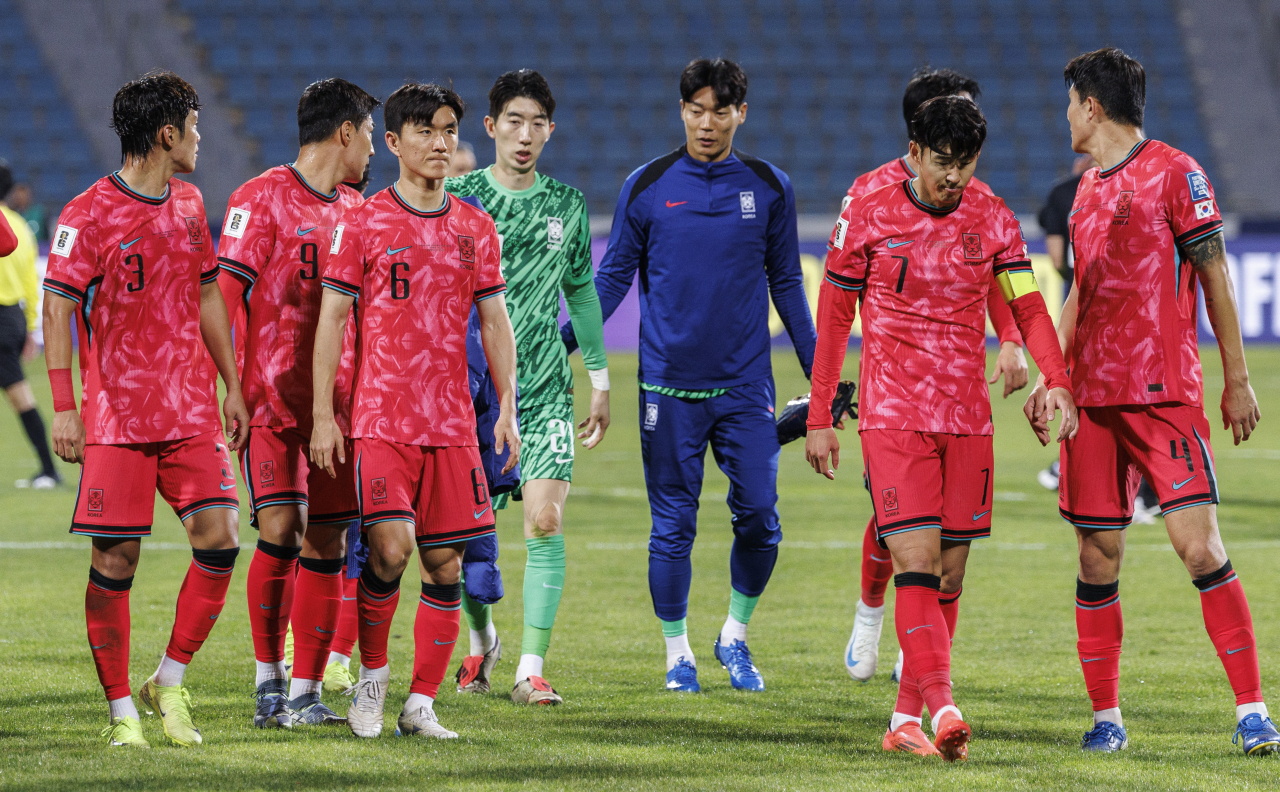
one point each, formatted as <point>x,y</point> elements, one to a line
<point>125,733</point>
<point>174,706</point>
<point>337,678</point>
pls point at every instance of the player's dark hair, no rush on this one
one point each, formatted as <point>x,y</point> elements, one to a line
<point>950,124</point>
<point>724,77</point>
<point>6,180</point>
<point>417,103</point>
<point>1114,80</point>
<point>522,82</point>
<point>929,83</point>
<point>147,105</point>
<point>328,104</point>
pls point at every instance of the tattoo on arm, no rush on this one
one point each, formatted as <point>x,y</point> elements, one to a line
<point>1204,252</point>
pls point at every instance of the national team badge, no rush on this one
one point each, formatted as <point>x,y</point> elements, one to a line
<point>555,233</point>
<point>466,249</point>
<point>194,235</point>
<point>747,203</point>
<point>95,503</point>
<point>379,488</point>
<point>972,244</point>
<point>650,417</point>
<point>1124,203</point>
<point>267,472</point>
<point>890,497</point>
<point>1204,209</point>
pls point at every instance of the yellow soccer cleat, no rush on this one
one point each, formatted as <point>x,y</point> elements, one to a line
<point>337,678</point>
<point>288,650</point>
<point>174,707</point>
<point>125,733</point>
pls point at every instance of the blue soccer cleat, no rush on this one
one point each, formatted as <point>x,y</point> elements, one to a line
<point>1105,737</point>
<point>683,678</point>
<point>1256,735</point>
<point>736,658</point>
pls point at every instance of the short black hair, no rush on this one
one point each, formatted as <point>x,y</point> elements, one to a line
<point>950,124</point>
<point>522,82</point>
<point>1114,80</point>
<point>724,77</point>
<point>147,105</point>
<point>328,104</point>
<point>6,179</point>
<point>417,103</point>
<point>928,83</point>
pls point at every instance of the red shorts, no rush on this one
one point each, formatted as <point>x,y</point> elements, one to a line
<point>1100,469</point>
<point>921,480</point>
<point>118,483</point>
<point>441,490</point>
<point>277,469</point>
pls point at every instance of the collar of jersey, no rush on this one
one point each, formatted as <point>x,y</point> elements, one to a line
<point>707,166</point>
<point>137,196</point>
<point>907,167</point>
<point>1133,153</point>
<point>444,208</point>
<point>539,181</point>
<point>927,207</point>
<point>330,198</point>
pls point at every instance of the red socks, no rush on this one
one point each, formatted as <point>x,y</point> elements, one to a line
<point>106,611</point>
<point>317,600</point>
<point>376,599</point>
<point>200,601</point>
<point>344,640</point>
<point>923,636</point>
<point>435,631</point>
<point>1100,630</point>
<point>910,702</point>
<point>1230,627</point>
<point>877,567</point>
<point>270,592</point>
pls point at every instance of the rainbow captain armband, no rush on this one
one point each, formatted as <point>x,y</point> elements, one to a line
<point>1015,279</point>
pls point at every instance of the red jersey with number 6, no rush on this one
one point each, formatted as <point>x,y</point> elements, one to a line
<point>1135,340</point>
<point>415,276</point>
<point>135,264</point>
<point>276,238</point>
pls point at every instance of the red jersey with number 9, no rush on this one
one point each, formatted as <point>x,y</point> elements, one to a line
<point>276,238</point>
<point>415,276</point>
<point>135,264</point>
<point>1135,340</point>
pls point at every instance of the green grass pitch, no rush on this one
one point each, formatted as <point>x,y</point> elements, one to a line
<point>1015,668</point>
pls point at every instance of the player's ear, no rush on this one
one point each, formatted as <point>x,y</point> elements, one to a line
<point>393,142</point>
<point>742,113</point>
<point>346,133</point>
<point>489,127</point>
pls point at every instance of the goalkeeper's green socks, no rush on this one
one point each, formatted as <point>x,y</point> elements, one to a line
<point>480,622</point>
<point>543,587</point>
<point>740,608</point>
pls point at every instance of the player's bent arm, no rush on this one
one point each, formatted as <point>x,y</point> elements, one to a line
<point>67,432</point>
<point>499,340</point>
<point>215,329</point>
<point>1239,404</point>
<point>326,437</point>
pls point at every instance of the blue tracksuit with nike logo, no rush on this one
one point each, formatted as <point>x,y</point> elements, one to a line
<point>712,242</point>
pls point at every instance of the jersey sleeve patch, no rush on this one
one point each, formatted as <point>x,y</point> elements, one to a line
<point>837,239</point>
<point>63,240</point>
<point>237,220</point>
<point>1199,185</point>
<point>337,240</point>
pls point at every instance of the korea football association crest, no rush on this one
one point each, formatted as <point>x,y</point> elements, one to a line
<point>972,244</point>
<point>195,235</point>
<point>747,203</point>
<point>555,233</point>
<point>95,503</point>
<point>650,417</point>
<point>378,488</point>
<point>466,249</point>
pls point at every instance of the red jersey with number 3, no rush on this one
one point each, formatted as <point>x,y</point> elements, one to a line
<point>415,276</point>
<point>276,238</point>
<point>135,265</point>
<point>1135,340</point>
<point>924,274</point>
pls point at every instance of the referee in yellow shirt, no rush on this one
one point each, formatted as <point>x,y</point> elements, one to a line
<point>19,304</point>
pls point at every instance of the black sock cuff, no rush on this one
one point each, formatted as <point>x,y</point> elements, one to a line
<point>109,584</point>
<point>1215,579</point>
<point>1092,593</point>
<point>917,579</point>
<point>220,560</point>
<point>278,551</point>
<point>323,566</point>
<point>947,599</point>
<point>449,592</point>
<point>376,585</point>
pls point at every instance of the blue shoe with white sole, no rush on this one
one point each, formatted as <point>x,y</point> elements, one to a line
<point>1105,737</point>
<point>1257,736</point>
<point>736,658</point>
<point>683,677</point>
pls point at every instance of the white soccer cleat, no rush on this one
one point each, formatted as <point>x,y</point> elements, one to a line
<point>422,723</point>
<point>896,676</point>
<point>368,700</point>
<point>863,649</point>
<point>1144,514</point>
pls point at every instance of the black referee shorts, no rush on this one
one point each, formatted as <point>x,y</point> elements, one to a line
<point>13,337</point>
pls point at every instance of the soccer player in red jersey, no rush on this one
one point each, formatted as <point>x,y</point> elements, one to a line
<point>133,260</point>
<point>1146,228</point>
<point>418,259</point>
<point>919,257</point>
<point>276,238</point>
<point>861,654</point>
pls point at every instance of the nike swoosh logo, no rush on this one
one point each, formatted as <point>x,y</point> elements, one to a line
<point>1241,649</point>
<point>1090,659</point>
<point>265,606</point>
<point>348,599</point>
<point>564,460</point>
<point>921,627</point>
<point>676,203</point>
<point>1073,212</point>
<point>391,252</point>
<point>1179,485</point>
<point>373,624</point>
<point>127,245</point>
<point>893,244</point>
<point>308,231</point>
<point>224,487</point>
<point>977,516</point>
<point>321,629</point>
<point>444,643</point>
<point>214,616</point>
<point>548,585</point>
<point>480,513</point>
<point>104,646</point>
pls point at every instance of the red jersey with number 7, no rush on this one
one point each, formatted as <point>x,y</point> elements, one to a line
<point>1135,340</point>
<point>415,276</point>
<point>135,264</point>
<point>276,238</point>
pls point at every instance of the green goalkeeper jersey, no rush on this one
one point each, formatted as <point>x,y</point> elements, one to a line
<point>546,250</point>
